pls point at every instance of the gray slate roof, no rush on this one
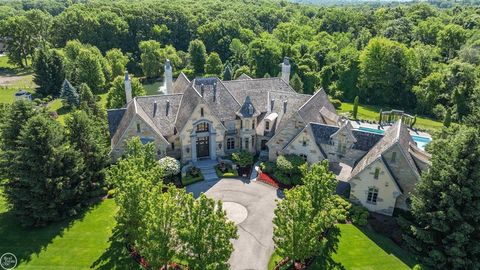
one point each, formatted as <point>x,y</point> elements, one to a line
<point>218,98</point>
<point>163,114</point>
<point>114,117</point>
<point>181,83</point>
<point>365,140</point>
<point>247,109</point>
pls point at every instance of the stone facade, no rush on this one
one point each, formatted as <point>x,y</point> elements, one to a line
<point>209,119</point>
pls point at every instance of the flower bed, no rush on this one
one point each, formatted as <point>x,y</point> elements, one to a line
<point>265,178</point>
<point>225,172</point>
<point>190,179</point>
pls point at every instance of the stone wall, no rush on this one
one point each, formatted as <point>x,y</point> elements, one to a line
<point>188,130</point>
<point>145,132</point>
<point>291,129</point>
<point>387,189</point>
<point>304,144</point>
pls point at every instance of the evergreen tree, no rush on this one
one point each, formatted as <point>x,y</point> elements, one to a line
<point>116,95</point>
<point>88,102</point>
<point>206,234</point>
<point>227,73</point>
<point>87,136</point>
<point>12,122</point>
<point>445,232</point>
<point>46,184</point>
<point>198,54</point>
<point>296,83</point>
<point>448,118</point>
<point>49,69</point>
<point>355,107</point>
<point>69,95</point>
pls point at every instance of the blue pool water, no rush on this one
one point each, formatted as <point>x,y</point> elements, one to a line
<point>421,141</point>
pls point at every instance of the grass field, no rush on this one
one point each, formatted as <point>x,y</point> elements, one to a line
<point>89,241</point>
<point>152,88</point>
<point>366,112</point>
<point>363,249</point>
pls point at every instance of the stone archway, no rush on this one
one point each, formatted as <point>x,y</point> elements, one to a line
<point>203,140</point>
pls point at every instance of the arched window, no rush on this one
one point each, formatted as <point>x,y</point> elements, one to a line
<point>267,125</point>
<point>202,127</point>
<point>372,195</point>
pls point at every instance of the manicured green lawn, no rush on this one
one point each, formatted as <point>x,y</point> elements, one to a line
<point>152,88</point>
<point>366,112</point>
<point>363,249</point>
<point>86,242</point>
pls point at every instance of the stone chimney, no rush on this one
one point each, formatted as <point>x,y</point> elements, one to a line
<point>214,91</point>
<point>168,78</point>
<point>286,69</point>
<point>128,88</point>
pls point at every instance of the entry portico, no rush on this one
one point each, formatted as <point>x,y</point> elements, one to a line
<point>203,140</point>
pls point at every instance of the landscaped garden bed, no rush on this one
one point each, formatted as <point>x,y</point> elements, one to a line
<point>224,170</point>
<point>193,175</point>
<point>283,173</point>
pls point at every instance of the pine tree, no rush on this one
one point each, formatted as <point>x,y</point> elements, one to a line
<point>296,83</point>
<point>227,73</point>
<point>49,69</point>
<point>87,136</point>
<point>46,184</point>
<point>69,95</point>
<point>445,232</point>
<point>14,119</point>
<point>88,102</point>
<point>355,107</point>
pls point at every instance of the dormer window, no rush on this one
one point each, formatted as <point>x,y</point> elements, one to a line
<point>267,125</point>
<point>250,109</point>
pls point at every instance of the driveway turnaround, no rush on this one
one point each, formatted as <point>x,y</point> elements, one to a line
<point>250,204</point>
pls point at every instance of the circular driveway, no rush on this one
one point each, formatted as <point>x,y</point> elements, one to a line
<point>250,204</point>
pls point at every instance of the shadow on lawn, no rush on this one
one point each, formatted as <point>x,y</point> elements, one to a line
<point>26,242</point>
<point>325,261</point>
<point>116,256</point>
<point>389,246</point>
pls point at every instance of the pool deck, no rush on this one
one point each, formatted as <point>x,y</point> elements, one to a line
<point>357,124</point>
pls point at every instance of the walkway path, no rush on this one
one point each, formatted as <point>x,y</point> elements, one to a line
<point>207,167</point>
<point>253,248</point>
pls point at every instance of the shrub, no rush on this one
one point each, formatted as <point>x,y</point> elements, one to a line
<point>336,103</point>
<point>111,193</point>
<point>170,166</point>
<point>342,208</point>
<point>194,171</point>
<point>359,215</point>
<point>279,176</point>
<point>418,267</point>
<point>267,167</point>
<point>242,158</point>
<point>289,164</point>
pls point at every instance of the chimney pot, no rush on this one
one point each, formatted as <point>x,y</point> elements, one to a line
<point>272,103</point>
<point>154,108</point>
<point>128,88</point>
<point>214,91</point>
<point>284,106</point>
<point>202,89</point>
<point>167,107</point>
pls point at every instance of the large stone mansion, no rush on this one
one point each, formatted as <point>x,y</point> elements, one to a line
<point>208,118</point>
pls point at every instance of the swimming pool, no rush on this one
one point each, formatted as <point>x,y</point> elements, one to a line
<point>421,141</point>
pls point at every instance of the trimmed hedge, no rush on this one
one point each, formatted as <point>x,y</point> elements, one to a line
<point>228,174</point>
<point>189,179</point>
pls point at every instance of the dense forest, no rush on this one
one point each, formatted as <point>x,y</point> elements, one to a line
<point>418,57</point>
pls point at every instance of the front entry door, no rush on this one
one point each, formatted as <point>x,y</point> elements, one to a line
<point>203,147</point>
<point>263,145</point>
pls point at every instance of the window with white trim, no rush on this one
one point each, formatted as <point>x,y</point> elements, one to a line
<point>230,143</point>
<point>372,195</point>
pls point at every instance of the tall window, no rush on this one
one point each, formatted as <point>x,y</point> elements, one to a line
<point>304,157</point>
<point>253,124</point>
<point>202,127</point>
<point>372,195</point>
<point>241,124</point>
<point>173,146</point>
<point>230,143</point>
<point>201,112</point>
<point>138,128</point>
<point>377,173</point>
<point>304,143</point>
<point>267,125</point>
<point>246,143</point>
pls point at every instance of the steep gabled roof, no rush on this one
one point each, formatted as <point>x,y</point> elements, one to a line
<point>218,98</point>
<point>181,83</point>
<point>310,111</point>
<point>162,109</point>
<point>190,99</point>
<point>114,117</point>
<point>130,112</point>
<point>396,134</point>
<point>247,109</point>
<point>244,77</point>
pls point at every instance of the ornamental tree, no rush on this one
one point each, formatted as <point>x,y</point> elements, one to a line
<point>206,234</point>
<point>355,107</point>
<point>69,95</point>
<point>320,183</point>
<point>170,166</point>
<point>213,64</point>
<point>198,54</point>
<point>242,158</point>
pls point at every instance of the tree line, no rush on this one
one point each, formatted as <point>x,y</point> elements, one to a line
<point>417,57</point>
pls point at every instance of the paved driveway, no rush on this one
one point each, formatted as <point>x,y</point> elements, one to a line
<point>254,246</point>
